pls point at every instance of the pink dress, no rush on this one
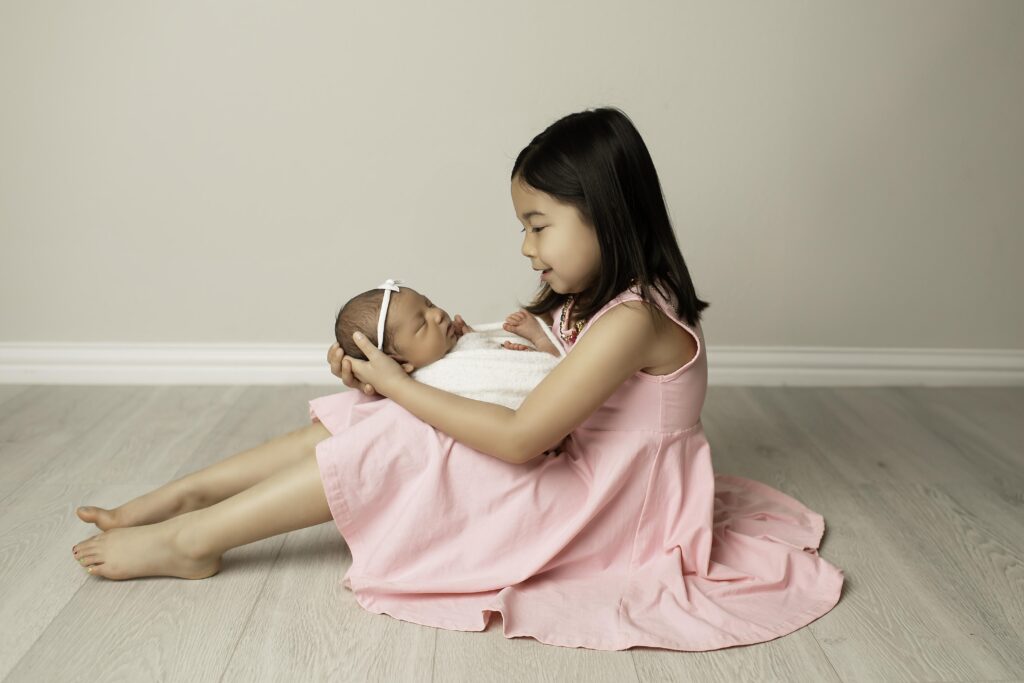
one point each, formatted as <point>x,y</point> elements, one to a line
<point>626,537</point>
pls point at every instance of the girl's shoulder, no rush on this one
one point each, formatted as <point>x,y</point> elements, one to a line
<point>673,343</point>
<point>628,298</point>
<point>585,378</point>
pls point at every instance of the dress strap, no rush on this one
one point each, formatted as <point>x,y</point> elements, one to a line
<point>551,334</point>
<point>632,293</point>
<point>625,295</point>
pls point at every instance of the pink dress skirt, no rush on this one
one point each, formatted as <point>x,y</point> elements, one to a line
<point>625,537</point>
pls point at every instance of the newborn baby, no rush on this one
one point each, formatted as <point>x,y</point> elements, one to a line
<point>451,355</point>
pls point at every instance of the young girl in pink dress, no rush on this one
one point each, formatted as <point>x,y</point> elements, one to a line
<point>447,504</point>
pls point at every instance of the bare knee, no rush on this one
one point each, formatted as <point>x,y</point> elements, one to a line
<point>315,433</point>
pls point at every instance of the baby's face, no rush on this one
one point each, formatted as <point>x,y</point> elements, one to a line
<point>420,331</point>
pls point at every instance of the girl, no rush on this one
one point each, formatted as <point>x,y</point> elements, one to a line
<point>629,538</point>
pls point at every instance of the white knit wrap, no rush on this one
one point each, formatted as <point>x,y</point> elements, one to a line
<point>479,367</point>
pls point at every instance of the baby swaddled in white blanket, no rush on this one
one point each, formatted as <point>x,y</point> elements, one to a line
<point>480,367</point>
<point>488,362</point>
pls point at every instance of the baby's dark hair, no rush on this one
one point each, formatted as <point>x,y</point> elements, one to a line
<point>361,314</point>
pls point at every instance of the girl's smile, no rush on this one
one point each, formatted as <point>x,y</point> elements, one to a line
<point>554,232</point>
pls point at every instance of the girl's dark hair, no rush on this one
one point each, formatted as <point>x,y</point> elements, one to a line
<point>596,161</point>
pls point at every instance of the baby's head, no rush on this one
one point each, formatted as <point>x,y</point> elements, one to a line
<point>415,330</point>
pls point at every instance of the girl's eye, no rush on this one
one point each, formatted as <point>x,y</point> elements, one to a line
<point>535,229</point>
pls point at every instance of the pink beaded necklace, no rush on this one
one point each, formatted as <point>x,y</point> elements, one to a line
<point>576,329</point>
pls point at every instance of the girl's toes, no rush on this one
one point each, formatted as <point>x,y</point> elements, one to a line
<point>101,517</point>
<point>92,559</point>
<point>88,560</point>
<point>86,546</point>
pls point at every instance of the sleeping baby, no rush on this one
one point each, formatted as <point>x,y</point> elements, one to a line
<point>449,354</point>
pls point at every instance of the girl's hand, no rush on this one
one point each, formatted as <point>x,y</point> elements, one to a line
<point>381,371</point>
<point>461,326</point>
<point>342,369</point>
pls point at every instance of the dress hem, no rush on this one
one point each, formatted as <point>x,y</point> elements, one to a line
<point>818,610</point>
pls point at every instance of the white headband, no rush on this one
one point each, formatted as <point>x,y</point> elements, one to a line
<point>389,285</point>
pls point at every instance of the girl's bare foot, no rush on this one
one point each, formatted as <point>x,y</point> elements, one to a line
<point>167,501</point>
<point>163,549</point>
<point>525,325</point>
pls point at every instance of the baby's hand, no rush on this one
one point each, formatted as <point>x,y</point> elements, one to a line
<point>461,326</point>
<point>512,346</point>
<point>525,325</point>
<point>522,323</point>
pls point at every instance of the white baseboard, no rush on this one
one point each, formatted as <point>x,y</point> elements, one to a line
<point>240,364</point>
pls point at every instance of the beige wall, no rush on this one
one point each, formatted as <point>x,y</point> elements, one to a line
<point>839,174</point>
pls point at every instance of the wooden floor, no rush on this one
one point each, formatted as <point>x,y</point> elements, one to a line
<point>922,490</point>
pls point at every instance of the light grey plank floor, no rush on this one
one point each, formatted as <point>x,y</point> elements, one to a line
<point>922,490</point>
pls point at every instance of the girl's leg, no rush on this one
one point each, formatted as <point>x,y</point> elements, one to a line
<point>191,545</point>
<point>212,484</point>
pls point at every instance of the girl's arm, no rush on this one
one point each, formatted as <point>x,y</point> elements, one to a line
<point>614,348</point>
<point>487,427</point>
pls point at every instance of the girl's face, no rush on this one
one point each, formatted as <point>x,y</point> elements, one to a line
<point>420,331</point>
<point>556,238</point>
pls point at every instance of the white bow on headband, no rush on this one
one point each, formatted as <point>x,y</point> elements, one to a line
<point>389,285</point>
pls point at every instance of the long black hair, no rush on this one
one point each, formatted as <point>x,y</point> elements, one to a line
<point>596,161</point>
